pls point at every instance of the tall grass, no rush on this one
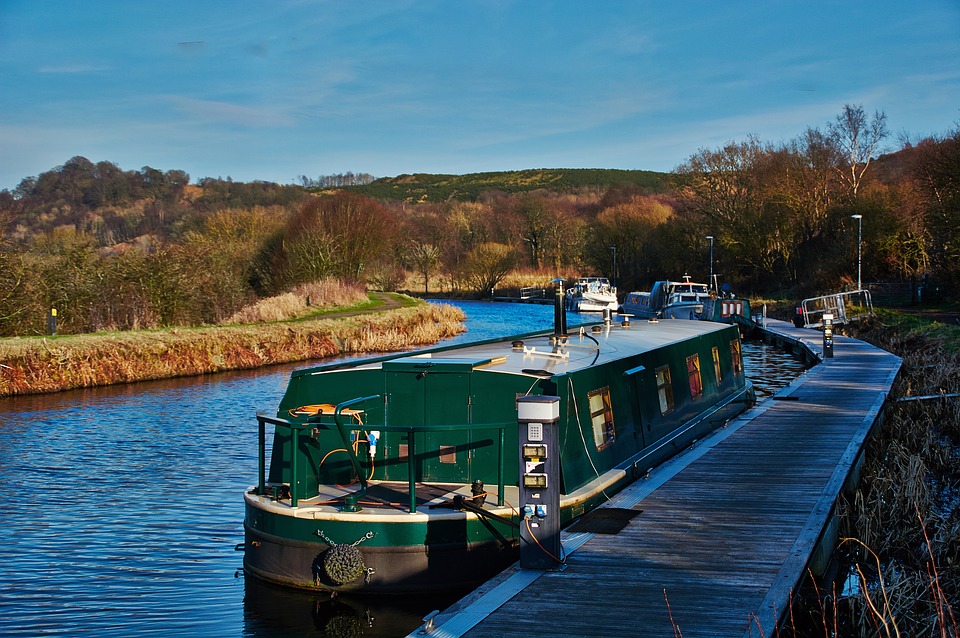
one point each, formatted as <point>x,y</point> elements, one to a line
<point>304,300</point>
<point>35,365</point>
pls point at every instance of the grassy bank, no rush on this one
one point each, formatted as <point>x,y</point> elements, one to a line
<point>901,558</point>
<point>44,364</point>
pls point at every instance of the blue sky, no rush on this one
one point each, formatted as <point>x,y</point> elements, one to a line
<point>274,89</point>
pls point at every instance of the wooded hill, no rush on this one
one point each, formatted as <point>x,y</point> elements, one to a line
<point>424,188</point>
<point>114,249</point>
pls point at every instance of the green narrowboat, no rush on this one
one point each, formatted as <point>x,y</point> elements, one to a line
<point>400,473</point>
<point>726,309</point>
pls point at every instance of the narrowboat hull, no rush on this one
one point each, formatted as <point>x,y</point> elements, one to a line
<point>400,474</point>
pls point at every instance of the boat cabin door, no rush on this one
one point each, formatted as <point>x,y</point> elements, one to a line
<point>432,393</point>
<point>637,389</point>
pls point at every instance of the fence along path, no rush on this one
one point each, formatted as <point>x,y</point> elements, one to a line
<point>726,529</point>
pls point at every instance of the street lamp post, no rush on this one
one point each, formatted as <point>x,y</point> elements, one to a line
<point>859,219</point>
<point>710,281</point>
<point>614,249</point>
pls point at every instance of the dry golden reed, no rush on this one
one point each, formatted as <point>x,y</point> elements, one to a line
<point>38,365</point>
<point>303,300</point>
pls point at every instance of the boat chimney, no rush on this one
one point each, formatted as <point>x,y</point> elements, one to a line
<point>559,310</point>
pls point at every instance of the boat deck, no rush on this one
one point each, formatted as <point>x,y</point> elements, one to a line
<point>538,355</point>
<point>725,531</point>
<point>391,499</point>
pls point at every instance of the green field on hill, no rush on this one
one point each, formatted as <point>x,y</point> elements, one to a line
<point>422,187</point>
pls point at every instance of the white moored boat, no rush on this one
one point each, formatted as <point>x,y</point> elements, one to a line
<point>592,294</point>
<point>669,300</point>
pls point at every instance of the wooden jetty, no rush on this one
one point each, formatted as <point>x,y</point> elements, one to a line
<point>726,531</point>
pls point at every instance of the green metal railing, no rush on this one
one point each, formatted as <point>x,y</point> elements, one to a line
<point>351,501</point>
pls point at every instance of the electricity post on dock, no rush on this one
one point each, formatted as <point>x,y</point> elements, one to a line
<point>538,417</point>
<point>827,335</point>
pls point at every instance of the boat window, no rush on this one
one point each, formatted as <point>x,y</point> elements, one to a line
<point>716,364</point>
<point>448,454</point>
<point>737,362</point>
<point>664,389</point>
<point>601,415</point>
<point>693,374</point>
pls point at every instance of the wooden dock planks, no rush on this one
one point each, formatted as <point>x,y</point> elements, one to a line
<point>726,530</point>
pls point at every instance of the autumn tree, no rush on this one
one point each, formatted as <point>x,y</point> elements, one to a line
<point>486,265</point>
<point>424,258</point>
<point>936,172</point>
<point>226,243</point>
<point>532,213</point>
<point>727,190</point>
<point>14,285</point>
<point>628,226</point>
<point>66,270</point>
<point>466,226</point>
<point>336,235</point>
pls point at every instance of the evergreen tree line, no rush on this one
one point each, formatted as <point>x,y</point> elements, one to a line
<point>780,215</point>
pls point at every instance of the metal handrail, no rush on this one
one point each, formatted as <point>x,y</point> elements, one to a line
<point>296,428</point>
<point>532,292</point>
<point>837,304</point>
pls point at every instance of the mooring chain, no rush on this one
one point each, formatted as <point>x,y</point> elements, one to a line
<point>329,542</point>
<point>326,540</point>
<point>365,537</point>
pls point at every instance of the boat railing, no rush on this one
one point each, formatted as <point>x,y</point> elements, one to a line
<point>845,307</point>
<point>351,500</point>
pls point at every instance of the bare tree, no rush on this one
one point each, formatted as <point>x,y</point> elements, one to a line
<point>856,137</point>
<point>425,258</point>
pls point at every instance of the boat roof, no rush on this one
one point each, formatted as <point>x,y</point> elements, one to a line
<point>541,354</point>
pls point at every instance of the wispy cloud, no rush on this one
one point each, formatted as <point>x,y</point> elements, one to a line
<point>226,112</point>
<point>73,68</point>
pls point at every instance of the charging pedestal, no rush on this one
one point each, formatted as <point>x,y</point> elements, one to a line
<point>537,417</point>
<point>827,335</point>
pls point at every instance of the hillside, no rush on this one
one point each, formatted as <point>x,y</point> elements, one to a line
<point>422,187</point>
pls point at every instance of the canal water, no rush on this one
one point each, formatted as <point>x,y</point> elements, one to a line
<point>122,507</point>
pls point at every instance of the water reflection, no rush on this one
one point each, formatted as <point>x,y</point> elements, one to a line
<point>123,506</point>
<point>269,610</point>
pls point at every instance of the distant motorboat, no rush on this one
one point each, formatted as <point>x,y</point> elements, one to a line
<point>592,294</point>
<point>669,300</point>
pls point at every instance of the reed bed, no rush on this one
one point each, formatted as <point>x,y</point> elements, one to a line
<point>304,300</point>
<point>900,557</point>
<point>40,365</point>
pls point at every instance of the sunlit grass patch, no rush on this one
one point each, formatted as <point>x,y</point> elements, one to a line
<point>38,365</point>
<point>304,300</point>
